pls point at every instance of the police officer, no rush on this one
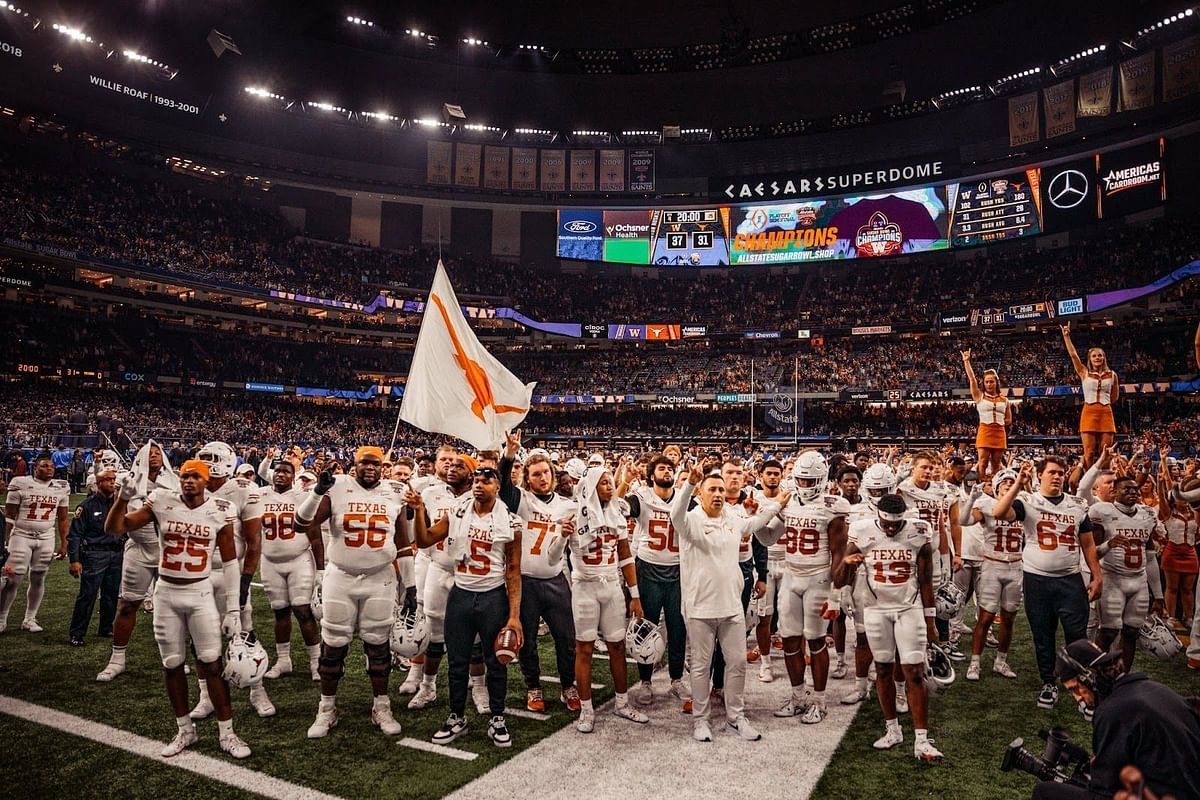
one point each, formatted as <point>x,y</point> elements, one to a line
<point>96,560</point>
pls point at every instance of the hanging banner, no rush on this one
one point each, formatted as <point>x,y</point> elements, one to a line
<point>1137,83</point>
<point>641,170</point>
<point>495,174</point>
<point>1023,125</point>
<point>554,170</point>
<point>524,169</point>
<point>1059,101</point>
<point>583,170</point>
<point>612,170</point>
<point>1181,69</point>
<point>466,164</point>
<point>1095,93</point>
<point>437,163</point>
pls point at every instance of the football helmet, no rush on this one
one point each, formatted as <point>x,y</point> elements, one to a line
<point>108,460</point>
<point>643,641</point>
<point>315,603</point>
<point>878,480</point>
<point>576,469</point>
<point>410,633</point>
<point>949,599</point>
<point>221,459</point>
<point>810,466</point>
<point>1000,477</point>
<point>1157,638</point>
<point>245,661</point>
<point>939,669</point>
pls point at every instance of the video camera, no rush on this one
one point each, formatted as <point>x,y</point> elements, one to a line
<point>1062,761</point>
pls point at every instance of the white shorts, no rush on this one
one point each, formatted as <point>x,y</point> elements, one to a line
<point>860,598</point>
<point>350,602</point>
<point>27,554</point>
<point>183,610</point>
<point>599,610</point>
<point>137,573</point>
<point>903,630</point>
<point>421,563</point>
<point>1124,600</point>
<point>1001,586</point>
<point>800,600</point>
<point>765,605</point>
<point>438,583</point>
<point>289,583</point>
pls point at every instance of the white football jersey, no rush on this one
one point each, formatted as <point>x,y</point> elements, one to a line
<point>1052,533</point>
<point>363,524</point>
<point>37,504</point>
<point>932,505</point>
<point>246,497</point>
<point>972,535</point>
<point>439,500</point>
<point>806,533</point>
<point>281,541</point>
<point>482,568</point>
<point>890,562</point>
<point>654,536</point>
<point>1002,541</point>
<point>1138,527</point>
<point>776,551</point>
<point>594,546</point>
<point>188,536</point>
<point>542,542</point>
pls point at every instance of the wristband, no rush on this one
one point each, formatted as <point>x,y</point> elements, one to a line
<point>930,613</point>
<point>634,593</point>
<point>307,509</point>
<point>625,562</point>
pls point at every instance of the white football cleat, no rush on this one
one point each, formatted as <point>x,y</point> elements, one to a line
<point>182,741</point>
<point>925,751</point>
<point>411,683</point>
<point>815,713</point>
<point>794,707</point>
<point>425,696</point>
<point>1003,668</point>
<point>630,713</point>
<point>701,732</point>
<point>891,737</point>
<point>587,721</point>
<point>32,626</point>
<point>680,691</point>
<point>483,703</point>
<point>839,670</point>
<point>973,671</point>
<point>261,703</point>
<point>643,693</point>
<point>381,716</point>
<point>110,671</point>
<point>234,745</point>
<point>327,719</point>
<point>203,709</point>
<point>280,668</point>
<point>765,673</point>
<point>854,696</point>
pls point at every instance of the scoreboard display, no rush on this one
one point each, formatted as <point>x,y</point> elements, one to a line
<point>1015,314</point>
<point>689,237</point>
<point>997,209</point>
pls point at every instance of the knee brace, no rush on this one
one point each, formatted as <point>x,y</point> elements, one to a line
<point>379,659</point>
<point>435,650</point>
<point>332,662</point>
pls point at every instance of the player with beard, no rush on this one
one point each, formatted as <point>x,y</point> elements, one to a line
<point>545,591</point>
<point>848,484</point>
<point>36,506</point>
<point>358,590</point>
<point>768,618</point>
<point>1000,582</point>
<point>190,522</point>
<point>925,492</point>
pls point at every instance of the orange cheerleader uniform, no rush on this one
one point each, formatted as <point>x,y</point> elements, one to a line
<point>1180,553</point>
<point>992,434</point>
<point>1097,414</point>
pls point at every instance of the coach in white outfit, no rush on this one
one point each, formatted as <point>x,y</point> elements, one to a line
<point>711,586</point>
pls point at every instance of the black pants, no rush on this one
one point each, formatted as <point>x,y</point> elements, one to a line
<point>1048,602</point>
<point>101,573</point>
<point>660,595</point>
<point>1051,790</point>
<point>470,614</point>
<point>548,599</point>
<point>718,661</point>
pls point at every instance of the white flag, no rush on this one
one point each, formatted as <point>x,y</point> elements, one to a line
<point>455,386</point>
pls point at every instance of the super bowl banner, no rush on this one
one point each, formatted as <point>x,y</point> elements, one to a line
<point>524,169</point>
<point>1181,69</point>
<point>612,170</point>
<point>1059,101</point>
<point>641,170</point>
<point>583,170</point>
<point>466,164</point>
<point>495,174</point>
<point>437,162</point>
<point>1137,83</point>
<point>1095,93</point>
<point>554,170</point>
<point>1023,125</point>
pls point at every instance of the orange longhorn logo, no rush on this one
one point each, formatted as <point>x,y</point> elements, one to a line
<point>476,375</point>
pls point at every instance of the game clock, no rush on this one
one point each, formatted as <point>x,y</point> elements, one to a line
<point>692,237</point>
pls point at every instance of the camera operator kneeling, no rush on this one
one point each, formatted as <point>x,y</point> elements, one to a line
<point>1137,721</point>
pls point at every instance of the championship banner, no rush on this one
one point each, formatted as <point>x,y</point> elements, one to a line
<point>583,170</point>
<point>524,169</point>
<point>1181,69</point>
<point>495,175</point>
<point>1095,93</point>
<point>612,170</point>
<point>641,170</point>
<point>1023,125</point>
<point>1137,83</point>
<point>1059,101</point>
<point>437,163</point>
<point>554,170</point>
<point>466,164</point>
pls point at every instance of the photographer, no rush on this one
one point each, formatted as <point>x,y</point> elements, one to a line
<point>1137,721</point>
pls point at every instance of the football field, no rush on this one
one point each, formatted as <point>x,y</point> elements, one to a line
<point>972,724</point>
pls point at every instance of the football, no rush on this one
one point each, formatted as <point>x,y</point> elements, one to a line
<point>507,645</point>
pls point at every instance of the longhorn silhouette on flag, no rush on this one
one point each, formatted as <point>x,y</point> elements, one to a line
<point>455,386</point>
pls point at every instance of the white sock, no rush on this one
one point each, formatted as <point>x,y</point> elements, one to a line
<point>37,590</point>
<point>118,656</point>
<point>283,650</point>
<point>477,680</point>
<point>921,734</point>
<point>622,699</point>
<point>861,683</point>
<point>1001,657</point>
<point>892,725</point>
<point>224,727</point>
<point>975,660</point>
<point>328,701</point>
<point>429,680</point>
<point>798,692</point>
<point>381,700</point>
<point>184,723</point>
<point>585,706</point>
<point>820,698</point>
<point>766,659</point>
<point>314,652</point>
<point>203,690</point>
<point>902,688</point>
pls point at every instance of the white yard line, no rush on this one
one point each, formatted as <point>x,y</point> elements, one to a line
<point>441,750</point>
<point>552,679</point>
<point>218,769</point>
<point>520,712</point>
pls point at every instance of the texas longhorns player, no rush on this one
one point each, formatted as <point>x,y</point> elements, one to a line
<point>191,523</point>
<point>36,507</point>
<point>358,590</point>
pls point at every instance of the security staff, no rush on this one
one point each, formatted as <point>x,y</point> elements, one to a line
<point>1138,722</point>
<point>96,559</point>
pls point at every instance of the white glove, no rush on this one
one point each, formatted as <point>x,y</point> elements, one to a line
<point>316,595</point>
<point>129,487</point>
<point>231,626</point>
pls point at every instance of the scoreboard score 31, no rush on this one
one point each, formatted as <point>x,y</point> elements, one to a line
<point>690,237</point>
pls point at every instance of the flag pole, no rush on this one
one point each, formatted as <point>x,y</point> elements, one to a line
<point>795,400</point>
<point>395,431</point>
<point>753,399</point>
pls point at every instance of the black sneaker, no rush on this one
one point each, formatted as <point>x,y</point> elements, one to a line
<point>498,732</point>
<point>455,727</point>
<point>76,642</point>
<point>1048,697</point>
<point>955,654</point>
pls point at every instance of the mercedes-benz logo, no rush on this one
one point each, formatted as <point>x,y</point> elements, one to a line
<point>1067,189</point>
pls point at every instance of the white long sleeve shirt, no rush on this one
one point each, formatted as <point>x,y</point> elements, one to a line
<point>709,574</point>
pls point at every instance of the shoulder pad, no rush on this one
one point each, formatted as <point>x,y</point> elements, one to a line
<point>836,504</point>
<point>222,505</point>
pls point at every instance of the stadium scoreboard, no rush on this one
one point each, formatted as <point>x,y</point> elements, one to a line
<point>996,209</point>
<point>690,237</point>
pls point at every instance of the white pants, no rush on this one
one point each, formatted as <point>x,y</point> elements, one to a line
<point>599,611</point>
<point>801,598</point>
<point>436,589</point>
<point>363,602</point>
<point>765,605</point>
<point>1193,651</point>
<point>889,631</point>
<point>137,573</point>
<point>1124,600</point>
<point>1001,586</point>
<point>421,563</point>
<point>702,634</point>
<point>29,554</point>
<point>183,610</point>
<point>289,583</point>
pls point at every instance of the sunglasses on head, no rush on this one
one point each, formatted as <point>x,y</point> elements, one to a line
<point>487,473</point>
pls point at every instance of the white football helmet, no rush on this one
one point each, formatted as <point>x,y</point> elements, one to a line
<point>1000,477</point>
<point>410,633</point>
<point>878,480</point>
<point>1157,639</point>
<point>245,661</point>
<point>576,469</point>
<point>643,641</point>
<point>949,599</point>
<point>810,466</point>
<point>108,460</point>
<point>221,459</point>
<point>316,604</point>
<point>938,668</point>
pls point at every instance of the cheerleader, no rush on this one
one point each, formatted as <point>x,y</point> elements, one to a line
<point>1179,562</point>
<point>995,415</point>
<point>1097,428</point>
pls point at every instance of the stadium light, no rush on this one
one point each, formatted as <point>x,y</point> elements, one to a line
<point>380,115</point>
<point>12,9</point>
<point>1187,12</point>
<point>327,107</point>
<point>430,123</point>
<point>360,21</point>
<point>1067,63</point>
<point>258,91</point>
<point>73,33</point>
<point>473,42</point>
